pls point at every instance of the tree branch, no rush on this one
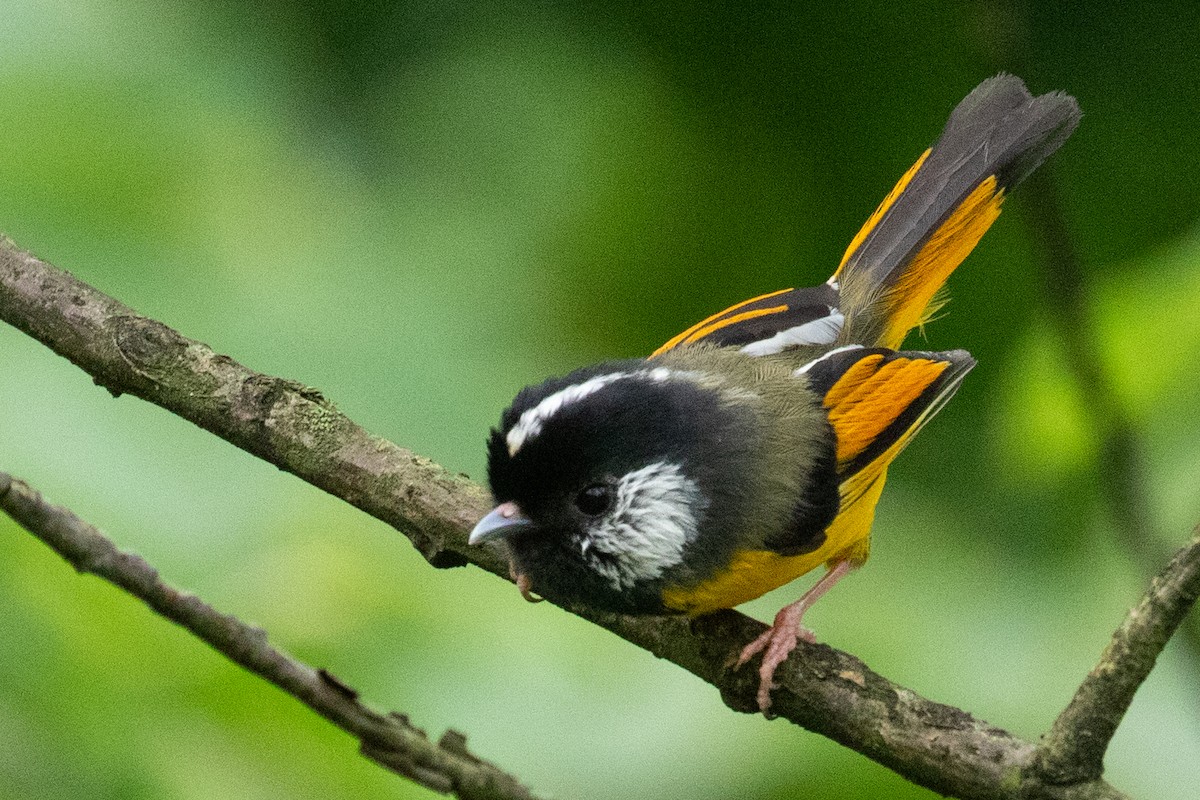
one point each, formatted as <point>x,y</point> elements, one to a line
<point>296,429</point>
<point>389,739</point>
<point>1074,749</point>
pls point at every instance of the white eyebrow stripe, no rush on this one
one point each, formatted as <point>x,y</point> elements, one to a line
<point>532,420</point>
<point>823,330</point>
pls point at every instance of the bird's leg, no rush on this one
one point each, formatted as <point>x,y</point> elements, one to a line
<point>780,639</point>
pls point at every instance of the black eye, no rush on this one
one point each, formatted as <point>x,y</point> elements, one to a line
<point>594,500</point>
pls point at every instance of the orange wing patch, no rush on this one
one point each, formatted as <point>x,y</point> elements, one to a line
<point>871,396</point>
<point>877,401</point>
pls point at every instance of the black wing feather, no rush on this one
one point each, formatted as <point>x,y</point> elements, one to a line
<point>761,318</point>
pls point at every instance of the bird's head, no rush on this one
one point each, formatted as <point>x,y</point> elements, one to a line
<point>606,478</point>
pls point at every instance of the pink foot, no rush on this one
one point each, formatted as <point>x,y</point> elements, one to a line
<point>780,639</point>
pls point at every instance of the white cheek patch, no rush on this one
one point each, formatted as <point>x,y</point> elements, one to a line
<point>654,516</point>
<point>823,330</point>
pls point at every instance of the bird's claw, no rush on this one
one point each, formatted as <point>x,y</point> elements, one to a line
<point>778,641</point>
<point>524,585</point>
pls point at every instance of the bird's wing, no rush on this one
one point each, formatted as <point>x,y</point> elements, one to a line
<point>877,400</point>
<point>770,323</point>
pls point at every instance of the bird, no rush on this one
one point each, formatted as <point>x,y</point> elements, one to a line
<point>752,448</point>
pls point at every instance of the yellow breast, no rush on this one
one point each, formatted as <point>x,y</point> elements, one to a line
<point>753,573</point>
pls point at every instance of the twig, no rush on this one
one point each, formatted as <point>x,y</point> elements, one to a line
<point>1074,749</point>
<point>446,766</point>
<point>1120,464</point>
<point>296,429</point>
<point>1004,29</point>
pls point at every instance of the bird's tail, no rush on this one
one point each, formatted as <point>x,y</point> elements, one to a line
<point>891,275</point>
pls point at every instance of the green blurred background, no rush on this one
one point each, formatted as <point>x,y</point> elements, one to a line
<point>418,208</point>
